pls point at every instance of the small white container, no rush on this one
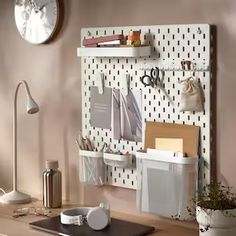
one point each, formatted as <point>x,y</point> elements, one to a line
<point>122,161</point>
<point>92,168</point>
<point>166,186</point>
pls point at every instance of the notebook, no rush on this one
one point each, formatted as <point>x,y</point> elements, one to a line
<point>116,228</point>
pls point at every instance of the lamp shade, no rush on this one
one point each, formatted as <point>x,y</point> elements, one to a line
<point>32,106</point>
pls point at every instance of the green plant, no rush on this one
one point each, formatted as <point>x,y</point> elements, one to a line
<point>216,196</point>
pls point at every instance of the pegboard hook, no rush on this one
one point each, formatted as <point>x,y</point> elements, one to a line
<point>100,82</point>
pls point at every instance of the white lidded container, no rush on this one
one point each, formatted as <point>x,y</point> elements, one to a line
<point>166,185</point>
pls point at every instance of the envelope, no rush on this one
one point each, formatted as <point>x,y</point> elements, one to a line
<point>189,134</point>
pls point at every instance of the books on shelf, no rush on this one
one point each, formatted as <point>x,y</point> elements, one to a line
<point>104,40</point>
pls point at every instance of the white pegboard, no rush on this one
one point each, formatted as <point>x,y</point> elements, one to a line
<point>170,45</point>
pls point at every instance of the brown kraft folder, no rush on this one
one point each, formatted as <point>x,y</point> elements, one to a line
<point>189,134</point>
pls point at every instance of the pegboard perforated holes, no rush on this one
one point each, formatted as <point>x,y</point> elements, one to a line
<point>193,36</point>
<point>204,137</point>
<point>188,30</point>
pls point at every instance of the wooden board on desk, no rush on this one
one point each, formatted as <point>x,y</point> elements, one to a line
<point>189,134</point>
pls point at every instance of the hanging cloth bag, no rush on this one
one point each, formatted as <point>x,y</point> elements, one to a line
<point>191,95</point>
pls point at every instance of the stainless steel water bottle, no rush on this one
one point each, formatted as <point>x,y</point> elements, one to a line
<point>52,190</point>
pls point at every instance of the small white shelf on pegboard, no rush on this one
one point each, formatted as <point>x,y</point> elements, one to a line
<point>142,51</point>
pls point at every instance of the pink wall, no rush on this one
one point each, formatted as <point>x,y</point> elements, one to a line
<point>53,72</point>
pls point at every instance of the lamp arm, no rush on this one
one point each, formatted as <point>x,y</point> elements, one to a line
<point>15,131</point>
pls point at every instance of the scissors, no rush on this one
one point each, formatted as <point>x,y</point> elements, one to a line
<point>153,79</point>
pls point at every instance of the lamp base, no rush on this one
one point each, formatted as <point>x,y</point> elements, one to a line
<point>15,197</point>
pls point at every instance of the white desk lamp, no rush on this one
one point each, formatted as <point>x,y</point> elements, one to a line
<point>15,196</point>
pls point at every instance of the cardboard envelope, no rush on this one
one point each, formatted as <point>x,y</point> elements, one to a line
<point>189,134</point>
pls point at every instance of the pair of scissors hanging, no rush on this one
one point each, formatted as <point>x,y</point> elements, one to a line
<point>155,80</point>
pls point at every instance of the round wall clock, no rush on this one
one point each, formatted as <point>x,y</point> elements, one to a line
<point>36,20</point>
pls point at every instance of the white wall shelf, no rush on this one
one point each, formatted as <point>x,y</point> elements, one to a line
<point>142,51</point>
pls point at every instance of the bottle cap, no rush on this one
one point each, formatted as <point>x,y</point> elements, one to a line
<point>51,164</point>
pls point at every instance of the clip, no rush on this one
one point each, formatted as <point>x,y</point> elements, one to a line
<point>126,84</point>
<point>100,83</point>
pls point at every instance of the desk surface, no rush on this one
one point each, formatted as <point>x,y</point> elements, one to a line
<point>20,226</point>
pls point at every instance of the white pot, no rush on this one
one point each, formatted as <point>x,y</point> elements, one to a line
<point>216,222</point>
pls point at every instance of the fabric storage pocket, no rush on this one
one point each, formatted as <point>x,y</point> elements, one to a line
<point>91,168</point>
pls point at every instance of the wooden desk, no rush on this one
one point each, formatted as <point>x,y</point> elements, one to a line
<point>19,226</point>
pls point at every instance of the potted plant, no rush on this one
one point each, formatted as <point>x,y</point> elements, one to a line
<point>216,210</point>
